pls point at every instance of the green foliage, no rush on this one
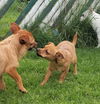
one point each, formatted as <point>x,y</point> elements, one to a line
<point>43,37</point>
<point>86,35</point>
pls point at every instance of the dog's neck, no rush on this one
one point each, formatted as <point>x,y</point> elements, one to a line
<point>94,16</point>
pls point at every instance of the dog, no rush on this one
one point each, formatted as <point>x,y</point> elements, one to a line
<point>94,21</point>
<point>12,49</point>
<point>60,57</point>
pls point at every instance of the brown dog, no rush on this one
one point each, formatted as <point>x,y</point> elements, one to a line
<point>11,50</point>
<point>60,57</point>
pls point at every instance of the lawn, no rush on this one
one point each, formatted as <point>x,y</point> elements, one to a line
<point>83,88</point>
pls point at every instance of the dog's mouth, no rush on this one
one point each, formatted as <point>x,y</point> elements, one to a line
<point>30,49</point>
<point>38,54</point>
<point>34,45</point>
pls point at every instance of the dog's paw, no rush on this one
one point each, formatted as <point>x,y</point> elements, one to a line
<point>41,84</point>
<point>61,81</point>
<point>2,86</point>
<point>98,46</point>
<point>23,90</point>
<point>75,73</point>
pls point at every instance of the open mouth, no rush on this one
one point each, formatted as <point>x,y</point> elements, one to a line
<point>30,49</point>
<point>38,54</point>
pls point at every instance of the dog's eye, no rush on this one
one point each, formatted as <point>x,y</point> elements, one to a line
<point>30,43</point>
<point>47,52</point>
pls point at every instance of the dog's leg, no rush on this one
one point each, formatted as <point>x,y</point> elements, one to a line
<point>98,36</point>
<point>2,84</point>
<point>75,69</point>
<point>46,78</point>
<point>14,74</point>
<point>63,74</point>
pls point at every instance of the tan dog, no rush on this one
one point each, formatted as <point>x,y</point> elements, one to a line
<point>11,50</point>
<point>60,57</point>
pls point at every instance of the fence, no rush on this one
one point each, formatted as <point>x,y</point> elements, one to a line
<point>49,12</point>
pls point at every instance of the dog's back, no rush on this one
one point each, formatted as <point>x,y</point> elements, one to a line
<point>67,45</point>
<point>68,48</point>
<point>95,21</point>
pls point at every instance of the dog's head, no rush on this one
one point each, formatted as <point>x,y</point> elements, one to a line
<point>25,37</point>
<point>86,14</point>
<point>48,52</point>
<point>51,53</point>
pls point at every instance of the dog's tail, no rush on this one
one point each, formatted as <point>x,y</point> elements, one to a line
<point>75,39</point>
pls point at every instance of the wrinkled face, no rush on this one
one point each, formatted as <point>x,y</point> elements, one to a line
<point>25,37</point>
<point>48,52</point>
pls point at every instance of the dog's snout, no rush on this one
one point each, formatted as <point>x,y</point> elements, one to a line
<point>35,44</point>
<point>38,49</point>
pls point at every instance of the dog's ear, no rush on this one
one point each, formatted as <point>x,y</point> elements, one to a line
<point>14,28</point>
<point>90,9</point>
<point>23,39</point>
<point>50,43</point>
<point>59,55</point>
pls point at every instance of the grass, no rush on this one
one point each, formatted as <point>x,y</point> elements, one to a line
<point>81,89</point>
<point>10,16</point>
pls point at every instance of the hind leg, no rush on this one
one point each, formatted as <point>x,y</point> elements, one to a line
<point>98,36</point>
<point>75,65</point>
<point>75,69</point>
<point>2,84</point>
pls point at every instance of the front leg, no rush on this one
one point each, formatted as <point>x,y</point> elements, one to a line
<point>14,74</point>
<point>2,84</point>
<point>63,74</point>
<point>47,76</point>
<point>75,69</point>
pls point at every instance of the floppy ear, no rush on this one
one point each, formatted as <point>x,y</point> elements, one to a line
<point>59,55</point>
<point>14,28</point>
<point>23,39</point>
<point>90,10</point>
<point>50,43</point>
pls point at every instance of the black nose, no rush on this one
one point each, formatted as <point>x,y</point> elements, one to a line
<point>30,49</point>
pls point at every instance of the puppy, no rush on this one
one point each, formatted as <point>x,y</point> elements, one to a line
<point>94,20</point>
<point>11,50</point>
<point>60,57</point>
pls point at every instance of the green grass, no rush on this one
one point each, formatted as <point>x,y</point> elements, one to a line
<point>81,89</point>
<point>10,16</point>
